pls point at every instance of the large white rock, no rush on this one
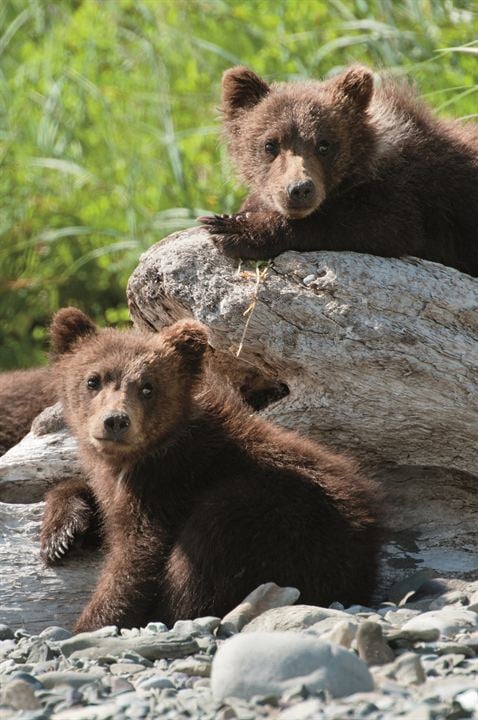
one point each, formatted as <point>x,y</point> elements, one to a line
<point>448,621</point>
<point>294,617</point>
<point>268,664</point>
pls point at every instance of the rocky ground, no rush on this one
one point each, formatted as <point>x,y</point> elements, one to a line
<point>415,657</point>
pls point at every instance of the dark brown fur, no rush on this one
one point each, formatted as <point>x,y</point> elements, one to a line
<point>393,180</point>
<point>201,501</point>
<point>23,394</point>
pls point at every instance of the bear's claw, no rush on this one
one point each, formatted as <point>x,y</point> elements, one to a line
<point>229,233</point>
<point>67,520</point>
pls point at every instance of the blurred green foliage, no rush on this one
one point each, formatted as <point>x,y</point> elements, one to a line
<point>109,126</point>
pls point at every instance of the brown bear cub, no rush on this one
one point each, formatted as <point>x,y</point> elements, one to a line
<point>23,394</point>
<point>200,499</point>
<point>348,164</point>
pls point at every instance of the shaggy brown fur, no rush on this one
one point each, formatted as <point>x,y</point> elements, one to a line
<point>23,394</point>
<point>347,164</point>
<point>201,501</point>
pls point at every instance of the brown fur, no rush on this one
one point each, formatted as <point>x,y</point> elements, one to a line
<point>200,500</point>
<point>23,394</point>
<point>392,179</point>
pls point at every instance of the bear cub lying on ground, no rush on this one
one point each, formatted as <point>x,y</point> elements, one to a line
<point>348,164</point>
<point>200,500</point>
<point>23,395</point>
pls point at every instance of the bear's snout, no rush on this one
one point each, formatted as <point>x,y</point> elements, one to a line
<point>116,424</point>
<point>301,193</point>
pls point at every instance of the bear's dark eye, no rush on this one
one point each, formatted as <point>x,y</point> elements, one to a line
<point>93,382</point>
<point>147,390</point>
<point>271,147</point>
<point>323,147</point>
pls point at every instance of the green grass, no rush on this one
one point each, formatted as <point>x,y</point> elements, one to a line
<point>109,125</point>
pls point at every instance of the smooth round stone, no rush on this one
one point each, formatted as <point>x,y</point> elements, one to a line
<point>185,627</point>
<point>70,678</point>
<point>293,617</point>
<point>157,682</point>
<point>267,664</point>
<point>360,610</point>
<point>468,700</point>
<point>193,666</point>
<point>6,633</point>
<point>55,633</point>
<point>473,602</point>
<point>372,647</point>
<point>343,633</point>
<point>20,695</point>
<point>408,669</point>
<point>26,677</point>
<point>155,627</point>
<point>306,710</point>
<point>107,711</point>
<point>452,597</point>
<point>400,616</point>
<point>263,598</point>
<point>448,621</point>
<point>120,685</point>
<point>126,668</point>
<point>208,623</point>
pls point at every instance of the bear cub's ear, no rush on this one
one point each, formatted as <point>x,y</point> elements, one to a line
<point>188,338</point>
<point>67,327</point>
<point>241,90</point>
<point>356,84</point>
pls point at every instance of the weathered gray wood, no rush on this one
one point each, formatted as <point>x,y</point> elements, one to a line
<point>43,458</point>
<point>380,355</point>
<point>32,596</point>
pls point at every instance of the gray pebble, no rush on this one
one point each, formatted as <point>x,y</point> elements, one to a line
<point>158,682</point>
<point>71,678</point>
<point>193,666</point>
<point>55,633</point>
<point>26,677</point>
<point>120,686</point>
<point>126,668</point>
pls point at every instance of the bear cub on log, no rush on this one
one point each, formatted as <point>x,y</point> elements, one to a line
<point>348,164</point>
<point>200,499</point>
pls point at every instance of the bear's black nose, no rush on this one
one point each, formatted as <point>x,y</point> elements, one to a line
<point>301,192</point>
<point>116,423</point>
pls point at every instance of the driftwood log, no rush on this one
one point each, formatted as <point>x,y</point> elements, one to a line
<point>372,355</point>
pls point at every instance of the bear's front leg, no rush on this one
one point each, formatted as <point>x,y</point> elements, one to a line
<point>71,515</point>
<point>127,591</point>
<point>257,235</point>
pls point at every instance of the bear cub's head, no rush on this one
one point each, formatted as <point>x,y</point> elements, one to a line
<point>293,143</point>
<point>124,392</point>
